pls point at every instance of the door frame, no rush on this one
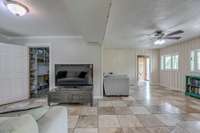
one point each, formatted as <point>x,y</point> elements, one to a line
<point>137,69</point>
<point>40,45</point>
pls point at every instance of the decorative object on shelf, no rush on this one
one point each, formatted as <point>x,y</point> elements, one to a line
<point>193,86</point>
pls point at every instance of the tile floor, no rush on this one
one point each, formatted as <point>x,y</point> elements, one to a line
<point>148,109</point>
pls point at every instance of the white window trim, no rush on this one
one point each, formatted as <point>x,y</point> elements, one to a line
<point>178,62</point>
<point>195,61</point>
<point>168,69</point>
<point>164,65</point>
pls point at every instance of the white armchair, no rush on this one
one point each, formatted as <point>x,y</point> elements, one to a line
<point>116,85</point>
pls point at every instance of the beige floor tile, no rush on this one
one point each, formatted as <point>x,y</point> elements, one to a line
<point>159,130</point>
<point>128,98</point>
<point>85,130</point>
<point>87,121</point>
<point>192,117</point>
<point>189,109</point>
<point>129,103</point>
<point>164,109</point>
<point>169,119</point>
<point>88,111</point>
<point>106,111</point>
<point>122,111</point>
<point>118,103</point>
<point>129,121</point>
<point>150,121</point>
<point>135,130</point>
<point>73,121</point>
<point>105,103</point>
<point>195,106</point>
<point>113,98</point>
<point>110,130</point>
<point>179,130</point>
<point>70,130</point>
<point>108,121</point>
<point>74,110</point>
<point>191,126</point>
<point>139,110</point>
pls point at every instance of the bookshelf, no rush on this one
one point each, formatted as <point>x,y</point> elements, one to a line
<point>193,86</point>
<point>39,71</point>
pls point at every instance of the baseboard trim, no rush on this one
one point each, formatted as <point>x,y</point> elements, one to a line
<point>172,89</point>
<point>157,84</point>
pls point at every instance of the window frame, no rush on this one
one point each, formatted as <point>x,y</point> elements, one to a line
<point>195,61</point>
<point>172,68</point>
<point>163,62</point>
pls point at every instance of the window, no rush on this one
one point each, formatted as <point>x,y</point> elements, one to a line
<point>192,61</point>
<point>175,62</point>
<point>162,63</point>
<point>195,60</point>
<point>168,62</point>
<point>198,60</point>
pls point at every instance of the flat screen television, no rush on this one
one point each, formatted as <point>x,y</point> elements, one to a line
<point>73,75</point>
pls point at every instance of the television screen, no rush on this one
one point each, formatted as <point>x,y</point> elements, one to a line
<point>73,74</point>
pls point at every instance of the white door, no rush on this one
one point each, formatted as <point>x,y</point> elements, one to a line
<point>13,73</point>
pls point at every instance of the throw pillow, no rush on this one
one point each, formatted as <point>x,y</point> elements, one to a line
<point>82,74</point>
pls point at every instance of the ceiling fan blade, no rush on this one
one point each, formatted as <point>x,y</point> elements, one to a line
<point>175,38</point>
<point>175,33</point>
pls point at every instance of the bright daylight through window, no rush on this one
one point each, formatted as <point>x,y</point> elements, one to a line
<point>195,60</point>
<point>169,62</point>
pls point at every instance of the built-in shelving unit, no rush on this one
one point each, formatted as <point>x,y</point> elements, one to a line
<point>39,71</point>
<point>193,86</point>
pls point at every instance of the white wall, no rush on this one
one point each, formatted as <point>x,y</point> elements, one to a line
<point>72,50</point>
<point>124,61</point>
<point>175,80</point>
<point>13,73</point>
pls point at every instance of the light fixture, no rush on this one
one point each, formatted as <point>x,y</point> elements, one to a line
<point>16,8</point>
<point>159,42</point>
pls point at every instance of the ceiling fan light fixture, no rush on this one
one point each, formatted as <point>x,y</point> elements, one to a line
<point>16,8</point>
<point>159,42</point>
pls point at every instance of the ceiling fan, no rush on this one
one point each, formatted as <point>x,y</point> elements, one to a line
<point>160,36</point>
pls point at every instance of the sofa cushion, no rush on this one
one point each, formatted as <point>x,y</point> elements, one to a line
<point>37,113</point>
<point>21,124</point>
<point>54,121</point>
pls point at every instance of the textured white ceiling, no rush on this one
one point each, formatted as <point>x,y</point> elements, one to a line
<point>131,20</point>
<point>85,18</point>
<point>128,25</point>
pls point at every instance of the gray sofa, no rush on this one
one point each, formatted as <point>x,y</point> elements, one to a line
<point>53,121</point>
<point>116,85</point>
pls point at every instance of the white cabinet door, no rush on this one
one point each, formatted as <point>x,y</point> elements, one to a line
<point>13,73</point>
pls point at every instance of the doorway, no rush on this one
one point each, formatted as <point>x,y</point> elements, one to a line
<point>39,71</point>
<point>143,68</point>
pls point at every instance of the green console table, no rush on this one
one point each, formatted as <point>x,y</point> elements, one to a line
<point>193,86</point>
